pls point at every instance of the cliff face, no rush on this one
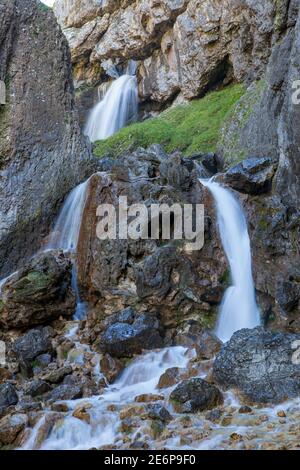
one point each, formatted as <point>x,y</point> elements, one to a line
<point>182,47</point>
<point>42,153</point>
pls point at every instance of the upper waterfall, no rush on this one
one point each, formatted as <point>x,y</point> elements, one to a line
<point>118,108</point>
<point>239,308</point>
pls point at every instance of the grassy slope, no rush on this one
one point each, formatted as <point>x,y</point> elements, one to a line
<point>191,128</point>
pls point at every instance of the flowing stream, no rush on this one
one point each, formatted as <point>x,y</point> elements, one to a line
<point>239,308</point>
<point>118,108</point>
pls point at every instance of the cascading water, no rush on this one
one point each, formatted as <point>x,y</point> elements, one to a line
<point>118,108</point>
<point>140,377</point>
<point>239,308</point>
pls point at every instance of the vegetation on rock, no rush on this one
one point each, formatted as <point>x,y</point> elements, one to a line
<point>191,128</point>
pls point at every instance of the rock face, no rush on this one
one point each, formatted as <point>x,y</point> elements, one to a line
<point>252,176</point>
<point>262,365</point>
<point>161,277</point>
<point>195,395</point>
<point>42,153</point>
<point>38,293</point>
<point>181,47</point>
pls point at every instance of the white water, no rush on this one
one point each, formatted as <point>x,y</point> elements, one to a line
<point>118,108</point>
<point>140,377</point>
<point>239,308</point>
<point>66,230</point>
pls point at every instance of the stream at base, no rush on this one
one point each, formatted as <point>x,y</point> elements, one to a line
<point>117,419</point>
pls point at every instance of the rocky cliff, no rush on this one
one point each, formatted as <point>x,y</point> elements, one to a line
<point>42,153</point>
<point>182,47</point>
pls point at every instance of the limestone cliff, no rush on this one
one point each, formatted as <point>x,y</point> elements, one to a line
<point>182,47</point>
<point>42,153</point>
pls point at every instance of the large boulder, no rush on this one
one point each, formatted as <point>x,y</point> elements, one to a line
<point>129,336</point>
<point>262,365</point>
<point>194,395</point>
<point>39,293</point>
<point>252,176</point>
<point>161,277</point>
<point>8,395</point>
<point>11,426</point>
<point>42,153</point>
<point>37,341</point>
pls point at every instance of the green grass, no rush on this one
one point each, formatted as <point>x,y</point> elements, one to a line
<point>191,128</point>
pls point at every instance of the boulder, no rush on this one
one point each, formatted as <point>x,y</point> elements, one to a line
<point>124,339</point>
<point>56,376</point>
<point>194,395</point>
<point>251,176</point>
<point>169,377</point>
<point>37,341</point>
<point>157,411</point>
<point>8,395</point>
<point>37,387</point>
<point>10,427</point>
<point>207,346</point>
<point>65,392</point>
<point>261,365</point>
<point>110,368</point>
<point>39,293</point>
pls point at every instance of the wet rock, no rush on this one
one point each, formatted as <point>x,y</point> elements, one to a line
<point>169,377</point>
<point>252,176</point>
<point>214,415</point>
<point>31,345</point>
<point>195,395</point>
<point>37,387</point>
<point>208,346</point>
<point>10,427</point>
<point>43,154</point>
<point>245,409</point>
<point>146,397</point>
<point>110,367</point>
<point>8,395</point>
<point>127,339</point>
<point>65,392</point>
<point>38,293</point>
<point>57,376</point>
<point>260,365</point>
<point>82,413</point>
<point>157,411</point>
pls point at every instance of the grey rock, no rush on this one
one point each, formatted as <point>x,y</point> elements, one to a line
<point>37,387</point>
<point>260,365</point>
<point>8,395</point>
<point>157,411</point>
<point>194,395</point>
<point>126,339</point>
<point>56,376</point>
<point>40,292</point>
<point>33,343</point>
<point>65,392</point>
<point>43,154</point>
<point>252,176</point>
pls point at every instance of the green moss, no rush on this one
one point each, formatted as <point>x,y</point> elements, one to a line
<point>230,144</point>
<point>191,128</point>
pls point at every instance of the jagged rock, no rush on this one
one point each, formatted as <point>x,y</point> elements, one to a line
<point>43,155</point>
<point>150,275</point>
<point>169,377</point>
<point>37,387</point>
<point>8,395</point>
<point>195,395</point>
<point>56,376</point>
<point>110,367</point>
<point>260,365</point>
<point>10,427</point>
<point>38,293</point>
<point>157,411</point>
<point>207,346</point>
<point>124,339</point>
<point>65,392</point>
<point>33,343</point>
<point>252,176</point>
<point>182,47</point>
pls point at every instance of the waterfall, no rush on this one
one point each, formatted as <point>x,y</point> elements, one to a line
<point>141,376</point>
<point>239,309</point>
<point>66,230</point>
<point>118,108</point>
